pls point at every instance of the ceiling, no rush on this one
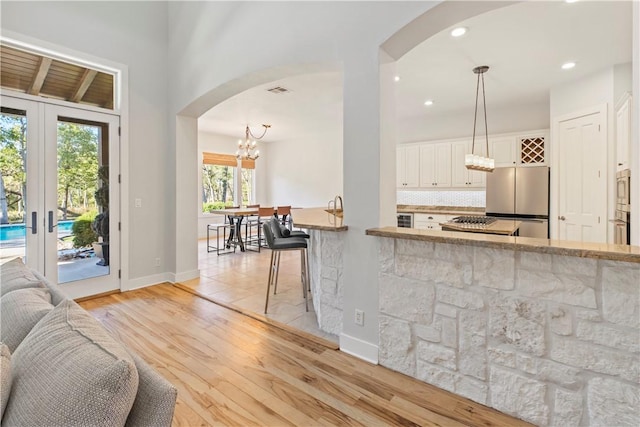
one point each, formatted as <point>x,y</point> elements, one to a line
<point>39,75</point>
<point>524,45</point>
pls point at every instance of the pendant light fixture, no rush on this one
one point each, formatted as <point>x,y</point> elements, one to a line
<point>473,161</point>
<point>247,149</point>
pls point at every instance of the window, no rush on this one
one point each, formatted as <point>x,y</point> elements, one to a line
<point>219,174</point>
<point>217,186</point>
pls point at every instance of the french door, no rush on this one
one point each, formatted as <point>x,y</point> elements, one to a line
<point>61,203</point>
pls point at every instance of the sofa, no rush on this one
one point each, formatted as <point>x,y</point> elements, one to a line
<point>60,367</point>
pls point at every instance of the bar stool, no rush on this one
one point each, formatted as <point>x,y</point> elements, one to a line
<point>277,246</point>
<point>220,248</point>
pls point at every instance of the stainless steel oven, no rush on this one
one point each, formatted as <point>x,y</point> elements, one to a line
<point>623,192</point>
<point>621,229</point>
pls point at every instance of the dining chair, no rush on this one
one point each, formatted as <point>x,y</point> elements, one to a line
<point>284,212</point>
<point>255,224</point>
<point>279,245</point>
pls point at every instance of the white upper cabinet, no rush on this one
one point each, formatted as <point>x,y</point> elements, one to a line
<point>623,132</point>
<point>435,165</point>
<point>461,177</point>
<point>407,166</point>
<point>503,150</point>
<point>440,164</point>
<point>519,150</point>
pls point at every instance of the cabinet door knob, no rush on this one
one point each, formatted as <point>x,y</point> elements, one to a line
<point>562,218</point>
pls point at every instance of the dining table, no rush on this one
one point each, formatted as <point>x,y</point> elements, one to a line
<point>236,217</point>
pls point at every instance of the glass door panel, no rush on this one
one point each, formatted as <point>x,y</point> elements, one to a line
<point>82,200</point>
<point>82,196</point>
<point>20,231</point>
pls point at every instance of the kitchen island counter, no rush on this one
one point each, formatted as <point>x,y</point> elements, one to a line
<point>488,316</point>
<point>602,251</point>
<point>318,219</point>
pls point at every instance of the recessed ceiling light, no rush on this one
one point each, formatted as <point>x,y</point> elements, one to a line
<point>457,32</point>
<point>570,1</point>
<point>568,65</point>
<point>428,102</point>
<point>396,78</point>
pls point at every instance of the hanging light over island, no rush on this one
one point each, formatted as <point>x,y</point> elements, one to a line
<point>473,161</point>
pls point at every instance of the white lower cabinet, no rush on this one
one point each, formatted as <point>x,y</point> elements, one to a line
<point>429,221</point>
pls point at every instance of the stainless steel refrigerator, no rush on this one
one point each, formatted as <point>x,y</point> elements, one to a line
<point>522,194</point>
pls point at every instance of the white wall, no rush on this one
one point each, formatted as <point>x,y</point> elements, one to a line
<point>622,80</point>
<point>135,34</point>
<point>306,172</point>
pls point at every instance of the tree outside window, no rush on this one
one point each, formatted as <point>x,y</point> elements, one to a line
<point>217,187</point>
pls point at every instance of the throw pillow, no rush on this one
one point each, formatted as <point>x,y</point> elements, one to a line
<point>15,275</point>
<point>284,231</point>
<point>20,310</point>
<point>69,371</point>
<point>5,376</point>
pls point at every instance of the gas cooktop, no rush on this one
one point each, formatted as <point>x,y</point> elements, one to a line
<point>473,220</point>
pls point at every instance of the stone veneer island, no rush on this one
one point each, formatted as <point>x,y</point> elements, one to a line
<point>546,331</point>
<point>325,264</point>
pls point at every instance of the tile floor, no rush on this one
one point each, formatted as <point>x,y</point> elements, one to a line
<point>240,279</point>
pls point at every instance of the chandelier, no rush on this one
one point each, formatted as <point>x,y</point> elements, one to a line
<point>247,149</point>
<point>473,161</point>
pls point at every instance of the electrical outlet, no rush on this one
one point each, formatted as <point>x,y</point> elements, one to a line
<point>359,319</point>
<point>157,262</point>
<point>138,203</point>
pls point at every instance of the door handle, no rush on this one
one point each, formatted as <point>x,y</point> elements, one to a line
<point>561,218</point>
<point>34,223</point>
<point>51,225</point>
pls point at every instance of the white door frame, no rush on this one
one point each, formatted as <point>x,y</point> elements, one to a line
<point>121,108</point>
<point>41,247</point>
<point>554,202</point>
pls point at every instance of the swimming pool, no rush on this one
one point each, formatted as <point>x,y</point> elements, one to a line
<point>18,231</point>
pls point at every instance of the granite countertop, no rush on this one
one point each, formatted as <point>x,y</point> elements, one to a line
<point>504,227</point>
<point>555,247</point>
<point>445,210</point>
<point>317,219</point>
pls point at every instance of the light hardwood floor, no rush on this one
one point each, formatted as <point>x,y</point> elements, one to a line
<point>234,370</point>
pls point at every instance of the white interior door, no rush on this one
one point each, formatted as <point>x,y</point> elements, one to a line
<point>582,164</point>
<point>62,151</point>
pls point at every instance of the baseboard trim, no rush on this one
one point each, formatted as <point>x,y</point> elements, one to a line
<point>361,349</point>
<point>183,276</point>
<point>143,282</point>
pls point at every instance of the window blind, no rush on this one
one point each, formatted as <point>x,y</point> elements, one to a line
<point>226,160</point>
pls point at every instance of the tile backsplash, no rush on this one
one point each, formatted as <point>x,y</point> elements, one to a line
<point>442,198</point>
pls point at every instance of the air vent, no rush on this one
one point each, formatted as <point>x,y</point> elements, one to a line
<point>278,90</point>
